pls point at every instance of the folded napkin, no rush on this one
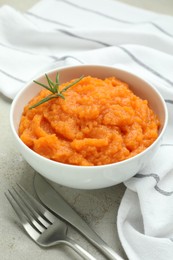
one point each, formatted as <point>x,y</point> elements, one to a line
<point>58,33</point>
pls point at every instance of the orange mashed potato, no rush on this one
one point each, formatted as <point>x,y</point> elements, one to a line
<point>99,122</point>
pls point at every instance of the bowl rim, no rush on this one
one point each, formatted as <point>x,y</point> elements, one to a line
<point>40,157</point>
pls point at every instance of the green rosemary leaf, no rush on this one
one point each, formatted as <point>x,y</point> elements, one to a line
<point>56,88</point>
<point>43,100</point>
<point>57,83</point>
<point>60,95</point>
<point>57,79</point>
<point>71,84</point>
<point>51,84</point>
<point>41,84</point>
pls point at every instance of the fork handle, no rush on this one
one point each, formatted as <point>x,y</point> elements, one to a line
<point>80,250</point>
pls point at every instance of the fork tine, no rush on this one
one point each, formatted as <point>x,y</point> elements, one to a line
<point>16,208</point>
<point>34,233</point>
<point>43,212</point>
<point>26,210</point>
<point>33,211</point>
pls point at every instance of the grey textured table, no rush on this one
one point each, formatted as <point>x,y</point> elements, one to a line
<point>98,207</point>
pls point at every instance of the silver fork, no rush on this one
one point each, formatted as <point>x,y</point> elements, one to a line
<point>40,224</point>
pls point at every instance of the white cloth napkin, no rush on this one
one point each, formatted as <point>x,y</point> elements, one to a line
<point>67,32</point>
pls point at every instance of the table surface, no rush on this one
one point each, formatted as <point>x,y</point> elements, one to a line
<point>98,207</point>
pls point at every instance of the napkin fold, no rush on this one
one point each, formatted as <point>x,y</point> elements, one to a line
<point>57,33</point>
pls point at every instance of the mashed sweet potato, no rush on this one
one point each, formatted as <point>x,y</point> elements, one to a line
<point>99,122</point>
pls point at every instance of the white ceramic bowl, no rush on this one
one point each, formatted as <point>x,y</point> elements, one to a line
<point>89,177</point>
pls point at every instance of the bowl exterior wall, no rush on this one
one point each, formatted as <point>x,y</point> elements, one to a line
<point>87,177</point>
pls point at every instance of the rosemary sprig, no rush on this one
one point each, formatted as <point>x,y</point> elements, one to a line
<point>54,88</point>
